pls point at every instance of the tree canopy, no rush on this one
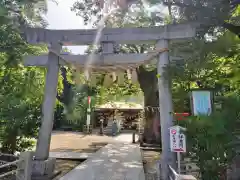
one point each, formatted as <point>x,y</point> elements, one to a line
<point>208,63</point>
<point>21,88</point>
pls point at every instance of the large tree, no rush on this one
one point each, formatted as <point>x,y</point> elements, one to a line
<point>198,51</point>
<point>147,76</point>
<point>21,88</point>
<point>210,13</point>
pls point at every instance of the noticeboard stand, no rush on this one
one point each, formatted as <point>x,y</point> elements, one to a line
<point>179,162</point>
<point>178,143</point>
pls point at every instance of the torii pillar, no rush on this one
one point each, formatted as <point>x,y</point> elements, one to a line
<point>166,109</point>
<point>43,166</point>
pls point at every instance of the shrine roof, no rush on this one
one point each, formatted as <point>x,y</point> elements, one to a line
<point>120,105</point>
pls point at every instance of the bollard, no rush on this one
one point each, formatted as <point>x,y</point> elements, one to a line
<point>141,139</point>
<point>101,127</point>
<point>133,137</point>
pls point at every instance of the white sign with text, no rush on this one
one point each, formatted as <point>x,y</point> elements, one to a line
<point>177,139</point>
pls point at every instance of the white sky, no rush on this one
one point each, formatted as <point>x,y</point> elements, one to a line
<point>60,16</point>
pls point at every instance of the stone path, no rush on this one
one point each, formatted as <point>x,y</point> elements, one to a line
<point>126,137</point>
<point>115,161</point>
<point>70,155</point>
<point>78,146</point>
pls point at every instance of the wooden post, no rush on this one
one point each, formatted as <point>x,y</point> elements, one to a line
<point>50,93</point>
<point>101,126</point>
<point>133,137</point>
<point>166,109</point>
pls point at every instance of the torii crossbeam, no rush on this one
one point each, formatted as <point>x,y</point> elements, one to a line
<point>115,60</point>
<point>160,35</point>
<point>117,35</point>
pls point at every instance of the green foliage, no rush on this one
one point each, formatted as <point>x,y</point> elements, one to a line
<point>213,15</point>
<point>21,12</point>
<point>21,89</point>
<point>214,64</point>
<point>211,139</point>
<point>76,112</point>
<point>20,103</point>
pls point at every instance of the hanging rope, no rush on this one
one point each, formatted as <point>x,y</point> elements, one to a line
<point>150,55</point>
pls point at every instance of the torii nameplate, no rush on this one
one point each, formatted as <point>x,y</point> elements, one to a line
<point>118,35</point>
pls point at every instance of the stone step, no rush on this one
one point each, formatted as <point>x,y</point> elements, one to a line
<point>70,155</point>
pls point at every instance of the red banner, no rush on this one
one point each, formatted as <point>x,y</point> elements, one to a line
<point>179,116</point>
<point>89,100</point>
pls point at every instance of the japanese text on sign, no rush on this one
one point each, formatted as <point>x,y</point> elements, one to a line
<point>177,139</point>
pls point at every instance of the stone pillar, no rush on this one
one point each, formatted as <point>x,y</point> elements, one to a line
<point>24,167</point>
<point>166,109</point>
<point>50,93</point>
<point>43,166</point>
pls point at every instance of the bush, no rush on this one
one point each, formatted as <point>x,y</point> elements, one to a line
<point>210,139</point>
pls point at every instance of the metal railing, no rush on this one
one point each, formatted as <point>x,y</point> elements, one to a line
<point>173,175</point>
<point>6,164</point>
<point>23,166</point>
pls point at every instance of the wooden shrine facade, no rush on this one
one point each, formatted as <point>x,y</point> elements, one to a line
<point>129,117</point>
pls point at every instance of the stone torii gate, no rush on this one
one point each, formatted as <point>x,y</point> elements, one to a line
<point>160,35</point>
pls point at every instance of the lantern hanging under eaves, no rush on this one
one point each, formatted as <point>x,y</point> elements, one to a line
<point>120,78</point>
<point>114,76</point>
<point>134,76</point>
<point>93,79</point>
<point>129,75</point>
<point>107,80</point>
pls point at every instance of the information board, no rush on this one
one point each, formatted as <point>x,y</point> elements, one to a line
<point>202,104</point>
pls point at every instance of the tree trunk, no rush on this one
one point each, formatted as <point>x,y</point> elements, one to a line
<point>148,84</point>
<point>65,97</point>
<point>9,144</point>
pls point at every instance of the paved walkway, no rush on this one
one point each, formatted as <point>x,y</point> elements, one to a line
<point>70,155</point>
<point>115,161</point>
<point>126,137</point>
<point>70,145</point>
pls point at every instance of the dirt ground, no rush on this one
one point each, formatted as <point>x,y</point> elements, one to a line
<point>150,159</point>
<point>75,142</point>
<point>78,142</point>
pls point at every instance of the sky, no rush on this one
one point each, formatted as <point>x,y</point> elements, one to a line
<point>60,16</point>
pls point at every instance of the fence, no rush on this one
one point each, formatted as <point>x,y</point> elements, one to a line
<point>173,175</point>
<point>23,164</point>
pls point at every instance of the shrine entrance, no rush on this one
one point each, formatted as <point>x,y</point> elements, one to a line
<point>109,62</point>
<point>126,114</point>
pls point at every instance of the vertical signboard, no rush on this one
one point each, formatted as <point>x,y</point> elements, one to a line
<point>178,143</point>
<point>201,102</point>
<point>177,139</point>
<point>89,111</point>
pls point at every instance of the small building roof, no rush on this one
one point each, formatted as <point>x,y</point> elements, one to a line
<point>120,105</point>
